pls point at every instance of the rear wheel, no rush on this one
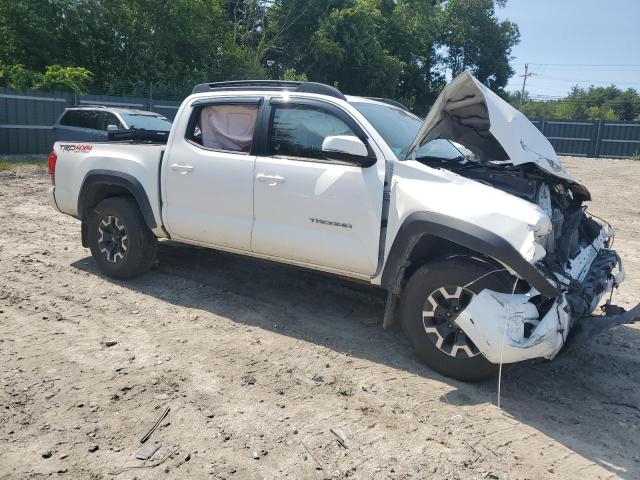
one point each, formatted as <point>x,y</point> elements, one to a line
<point>121,243</point>
<point>431,302</point>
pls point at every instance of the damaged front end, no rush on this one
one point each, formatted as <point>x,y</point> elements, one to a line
<point>578,260</point>
<point>568,247</point>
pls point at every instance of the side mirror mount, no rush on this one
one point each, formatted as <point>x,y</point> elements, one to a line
<point>347,148</point>
<point>112,128</point>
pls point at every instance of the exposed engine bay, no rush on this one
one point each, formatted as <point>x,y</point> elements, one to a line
<point>494,144</point>
<point>578,258</point>
<point>573,230</point>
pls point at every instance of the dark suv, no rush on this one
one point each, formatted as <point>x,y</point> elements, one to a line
<point>93,123</point>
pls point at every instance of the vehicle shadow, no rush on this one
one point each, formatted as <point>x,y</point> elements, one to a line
<point>587,399</point>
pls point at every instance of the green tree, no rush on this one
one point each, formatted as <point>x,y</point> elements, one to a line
<point>347,51</point>
<point>396,48</point>
<point>412,37</point>
<point>57,77</point>
<point>477,40</point>
<point>290,27</point>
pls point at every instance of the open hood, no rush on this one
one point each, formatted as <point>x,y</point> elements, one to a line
<point>469,113</point>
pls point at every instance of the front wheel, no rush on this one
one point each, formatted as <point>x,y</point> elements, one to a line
<point>121,243</point>
<point>432,300</point>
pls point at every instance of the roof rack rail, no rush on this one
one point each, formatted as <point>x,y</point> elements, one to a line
<point>271,85</point>
<point>388,101</point>
<point>88,105</point>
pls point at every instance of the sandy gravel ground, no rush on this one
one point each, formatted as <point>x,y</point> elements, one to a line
<point>259,362</point>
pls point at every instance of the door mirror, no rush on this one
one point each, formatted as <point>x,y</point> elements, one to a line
<point>347,148</point>
<point>112,128</point>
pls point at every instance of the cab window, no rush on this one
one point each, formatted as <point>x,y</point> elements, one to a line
<point>223,126</point>
<point>82,119</point>
<point>298,131</point>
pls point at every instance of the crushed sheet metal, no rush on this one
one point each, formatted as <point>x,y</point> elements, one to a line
<point>588,327</point>
<point>485,318</point>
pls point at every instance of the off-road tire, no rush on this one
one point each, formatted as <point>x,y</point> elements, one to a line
<point>140,245</point>
<point>450,272</point>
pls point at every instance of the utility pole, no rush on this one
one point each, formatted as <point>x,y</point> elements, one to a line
<point>524,81</point>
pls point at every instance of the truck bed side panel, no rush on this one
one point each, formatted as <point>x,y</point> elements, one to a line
<point>77,160</point>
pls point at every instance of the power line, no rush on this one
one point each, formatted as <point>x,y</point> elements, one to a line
<point>579,64</point>
<point>558,79</point>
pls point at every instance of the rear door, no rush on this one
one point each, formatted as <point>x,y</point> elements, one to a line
<point>208,174</point>
<point>310,209</point>
<point>80,126</point>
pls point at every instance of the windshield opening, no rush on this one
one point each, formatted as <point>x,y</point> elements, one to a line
<point>146,121</point>
<point>396,126</point>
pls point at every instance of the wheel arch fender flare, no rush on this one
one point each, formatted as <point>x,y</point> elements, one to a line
<point>462,233</point>
<point>99,178</point>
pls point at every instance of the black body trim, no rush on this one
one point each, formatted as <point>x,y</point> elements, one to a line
<point>462,233</point>
<point>124,180</point>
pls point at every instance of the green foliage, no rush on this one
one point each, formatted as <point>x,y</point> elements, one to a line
<point>18,77</point>
<point>396,48</point>
<point>478,41</point>
<point>291,74</point>
<point>593,103</point>
<point>55,77</point>
<point>347,51</point>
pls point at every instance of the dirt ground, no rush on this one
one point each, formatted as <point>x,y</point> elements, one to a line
<point>258,362</point>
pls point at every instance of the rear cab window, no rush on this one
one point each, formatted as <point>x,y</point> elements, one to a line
<point>226,126</point>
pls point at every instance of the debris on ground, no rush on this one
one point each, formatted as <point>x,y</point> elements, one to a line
<point>340,437</point>
<point>146,436</point>
<point>148,450</point>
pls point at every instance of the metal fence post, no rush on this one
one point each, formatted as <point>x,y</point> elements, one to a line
<point>544,121</point>
<point>596,146</point>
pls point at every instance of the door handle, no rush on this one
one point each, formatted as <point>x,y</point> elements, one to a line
<point>182,169</point>
<point>271,180</point>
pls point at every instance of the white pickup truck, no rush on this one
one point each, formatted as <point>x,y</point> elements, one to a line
<point>467,219</point>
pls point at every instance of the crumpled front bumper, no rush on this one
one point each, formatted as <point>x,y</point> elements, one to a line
<point>509,328</point>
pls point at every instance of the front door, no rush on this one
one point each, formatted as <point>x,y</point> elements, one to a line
<point>208,172</point>
<point>307,208</point>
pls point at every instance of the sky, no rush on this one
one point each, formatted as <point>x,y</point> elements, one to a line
<point>569,42</point>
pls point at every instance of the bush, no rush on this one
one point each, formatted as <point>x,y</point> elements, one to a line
<point>55,77</point>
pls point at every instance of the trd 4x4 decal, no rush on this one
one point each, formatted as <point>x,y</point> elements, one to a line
<point>76,148</point>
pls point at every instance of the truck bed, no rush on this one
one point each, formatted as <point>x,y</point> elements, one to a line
<point>138,162</point>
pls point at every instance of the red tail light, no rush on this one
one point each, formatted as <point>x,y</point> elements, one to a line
<point>52,166</point>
